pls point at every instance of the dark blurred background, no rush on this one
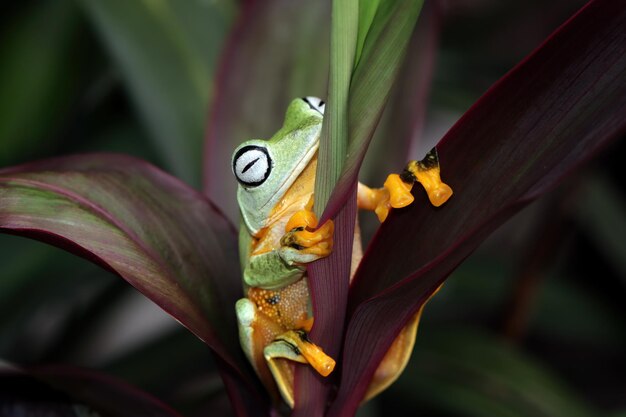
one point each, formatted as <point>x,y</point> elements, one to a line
<point>533,324</point>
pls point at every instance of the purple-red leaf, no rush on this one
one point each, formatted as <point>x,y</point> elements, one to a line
<point>161,236</point>
<point>553,111</point>
<point>328,283</point>
<point>69,392</point>
<point>264,66</point>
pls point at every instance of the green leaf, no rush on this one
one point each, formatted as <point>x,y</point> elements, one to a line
<point>548,115</point>
<point>367,11</point>
<point>166,52</point>
<point>40,73</point>
<point>334,138</point>
<point>460,371</point>
<point>383,53</point>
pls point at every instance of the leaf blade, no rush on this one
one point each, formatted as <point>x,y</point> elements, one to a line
<point>334,138</point>
<point>159,235</point>
<point>371,85</point>
<point>500,146</point>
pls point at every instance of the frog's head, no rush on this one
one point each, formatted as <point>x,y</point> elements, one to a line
<point>265,169</point>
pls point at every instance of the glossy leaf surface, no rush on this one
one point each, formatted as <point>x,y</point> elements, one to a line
<point>162,237</point>
<point>552,112</point>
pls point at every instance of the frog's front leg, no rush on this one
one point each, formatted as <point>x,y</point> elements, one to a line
<point>396,191</point>
<point>303,241</point>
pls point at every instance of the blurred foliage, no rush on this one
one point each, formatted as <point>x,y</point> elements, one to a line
<point>136,77</point>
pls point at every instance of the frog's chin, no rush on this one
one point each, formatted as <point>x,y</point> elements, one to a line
<point>289,180</point>
<point>257,218</point>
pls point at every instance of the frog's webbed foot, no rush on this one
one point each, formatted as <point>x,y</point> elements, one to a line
<point>396,192</point>
<point>303,241</point>
<point>428,173</point>
<point>294,345</point>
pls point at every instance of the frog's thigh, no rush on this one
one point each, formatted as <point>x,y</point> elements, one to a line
<point>246,314</point>
<point>255,332</point>
<point>270,270</point>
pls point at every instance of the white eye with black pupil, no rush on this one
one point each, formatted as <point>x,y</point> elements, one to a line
<point>315,103</point>
<point>252,165</point>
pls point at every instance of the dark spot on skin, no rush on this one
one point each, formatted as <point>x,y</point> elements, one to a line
<point>430,161</point>
<point>293,347</point>
<point>273,300</point>
<point>290,239</point>
<point>407,176</point>
<point>303,336</point>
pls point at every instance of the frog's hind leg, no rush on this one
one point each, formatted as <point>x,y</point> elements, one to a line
<point>295,346</point>
<point>396,192</point>
<point>255,332</point>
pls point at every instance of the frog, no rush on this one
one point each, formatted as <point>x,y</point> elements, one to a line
<point>280,235</point>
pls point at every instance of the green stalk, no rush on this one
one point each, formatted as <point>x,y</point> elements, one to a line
<point>334,139</point>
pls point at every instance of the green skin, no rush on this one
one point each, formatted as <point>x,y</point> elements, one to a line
<point>290,150</point>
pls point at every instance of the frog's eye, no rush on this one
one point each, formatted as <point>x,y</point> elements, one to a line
<point>252,165</point>
<point>315,103</point>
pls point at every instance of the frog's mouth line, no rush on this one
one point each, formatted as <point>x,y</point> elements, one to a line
<point>302,163</point>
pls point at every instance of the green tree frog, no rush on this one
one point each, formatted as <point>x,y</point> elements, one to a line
<point>279,235</point>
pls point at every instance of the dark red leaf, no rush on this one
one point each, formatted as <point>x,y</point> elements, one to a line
<point>329,300</point>
<point>158,234</point>
<point>553,111</point>
<point>69,392</point>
